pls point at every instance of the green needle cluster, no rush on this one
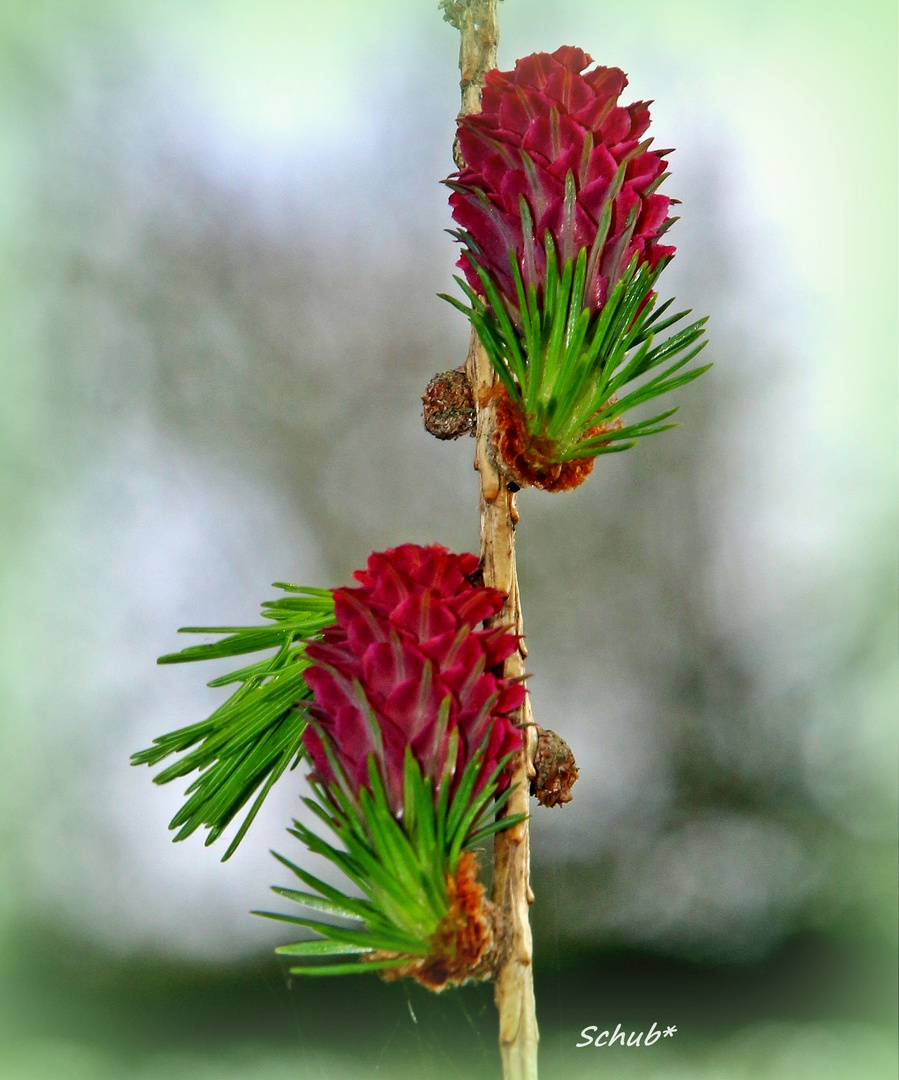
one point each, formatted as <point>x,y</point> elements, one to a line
<point>244,747</point>
<point>566,366</point>
<point>399,863</point>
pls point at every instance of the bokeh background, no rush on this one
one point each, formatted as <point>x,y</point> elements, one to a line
<point>222,240</point>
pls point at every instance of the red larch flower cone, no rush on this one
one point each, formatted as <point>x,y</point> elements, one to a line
<point>405,665</point>
<point>562,227</point>
<point>546,119</point>
<point>411,729</point>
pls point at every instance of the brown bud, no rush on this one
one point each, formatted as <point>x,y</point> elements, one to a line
<point>448,405</point>
<point>556,769</point>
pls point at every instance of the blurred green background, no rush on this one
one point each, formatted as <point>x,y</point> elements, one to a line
<point>222,238</point>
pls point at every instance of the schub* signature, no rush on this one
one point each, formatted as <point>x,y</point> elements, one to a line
<point>635,1038</point>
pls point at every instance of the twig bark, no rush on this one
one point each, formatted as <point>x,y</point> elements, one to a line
<point>514,982</point>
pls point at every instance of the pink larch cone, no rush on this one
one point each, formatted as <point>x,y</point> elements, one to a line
<point>546,119</point>
<point>404,666</point>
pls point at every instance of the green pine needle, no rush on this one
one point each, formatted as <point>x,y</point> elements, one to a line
<point>399,864</point>
<point>246,745</point>
<point>561,363</point>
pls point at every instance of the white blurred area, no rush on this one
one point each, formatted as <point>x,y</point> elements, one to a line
<point>221,267</point>
<point>160,541</point>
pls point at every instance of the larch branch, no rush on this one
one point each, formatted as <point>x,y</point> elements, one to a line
<point>514,983</point>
